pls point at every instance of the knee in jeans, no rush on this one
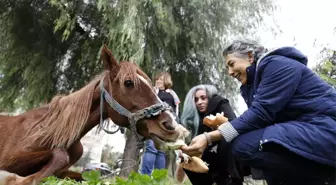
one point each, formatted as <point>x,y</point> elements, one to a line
<point>242,150</point>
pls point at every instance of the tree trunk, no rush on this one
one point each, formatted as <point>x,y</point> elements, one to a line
<point>130,152</point>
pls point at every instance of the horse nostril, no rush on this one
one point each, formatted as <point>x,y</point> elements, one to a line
<point>168,126</point>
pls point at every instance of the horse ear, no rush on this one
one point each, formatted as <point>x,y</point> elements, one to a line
<point>109,62</point>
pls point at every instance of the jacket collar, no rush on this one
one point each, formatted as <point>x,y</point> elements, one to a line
<point>250,72</point>
<point>213,104</point>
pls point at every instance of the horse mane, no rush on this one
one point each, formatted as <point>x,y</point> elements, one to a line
<point>65,119</point>
<point>67,115</point>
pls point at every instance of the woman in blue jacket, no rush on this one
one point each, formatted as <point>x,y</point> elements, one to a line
<point>289,129</point>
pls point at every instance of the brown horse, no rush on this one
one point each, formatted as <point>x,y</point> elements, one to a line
<point>46,140</point>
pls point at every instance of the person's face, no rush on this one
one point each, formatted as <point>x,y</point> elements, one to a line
<point>201,100</point>
<point>159,83</point>
<point>237,67</point>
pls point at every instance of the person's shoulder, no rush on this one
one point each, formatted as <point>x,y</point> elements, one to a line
<point>283,56</point>
<point>172,92</point>
<point>216,102</point>
<point>218,98</point>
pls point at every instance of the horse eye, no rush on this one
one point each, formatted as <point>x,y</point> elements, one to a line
<point>129,83</point>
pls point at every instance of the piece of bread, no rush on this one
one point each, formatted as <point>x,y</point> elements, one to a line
<point>195,164</point>
<point>214,121</point>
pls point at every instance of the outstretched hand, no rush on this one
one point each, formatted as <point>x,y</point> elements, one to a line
<point>196,147</point>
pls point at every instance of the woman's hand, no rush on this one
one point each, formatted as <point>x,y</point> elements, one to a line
<point>197,146</point>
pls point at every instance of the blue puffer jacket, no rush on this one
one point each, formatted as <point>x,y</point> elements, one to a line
<point>296,107</point>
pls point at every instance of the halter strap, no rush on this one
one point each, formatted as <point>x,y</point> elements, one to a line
<point>133,118</point>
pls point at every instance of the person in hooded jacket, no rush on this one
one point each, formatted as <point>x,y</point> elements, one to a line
<point>289,128</point>
<point>201,101</point>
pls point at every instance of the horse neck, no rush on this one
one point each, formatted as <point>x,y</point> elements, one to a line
<point>94,116</point>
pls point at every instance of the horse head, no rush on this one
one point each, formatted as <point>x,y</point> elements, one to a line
<point>129,100</point>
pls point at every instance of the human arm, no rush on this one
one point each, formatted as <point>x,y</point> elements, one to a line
<point>199,143</point>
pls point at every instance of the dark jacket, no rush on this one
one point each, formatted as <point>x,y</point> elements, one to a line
<point>217,104</point>
<point>168,98</point>
<point>296,108</point>
<point>216,155</point>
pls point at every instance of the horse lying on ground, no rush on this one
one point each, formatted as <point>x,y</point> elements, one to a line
<point>46,140</point>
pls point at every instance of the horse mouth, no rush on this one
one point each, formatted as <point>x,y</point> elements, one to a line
<point>157,139</point>
<point>168,126</point>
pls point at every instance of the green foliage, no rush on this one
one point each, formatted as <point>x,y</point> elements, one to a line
<point>65,22</point>
<point>35,62</point>
<point>92,177</point>
<point>159,177</point>
<point>183,37</point>
<point>52,180</point>
<point>327,67</point>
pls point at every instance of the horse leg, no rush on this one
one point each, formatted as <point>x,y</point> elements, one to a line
<point>57,160</point>
<point>27,163</point>
<point>75,152</point>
